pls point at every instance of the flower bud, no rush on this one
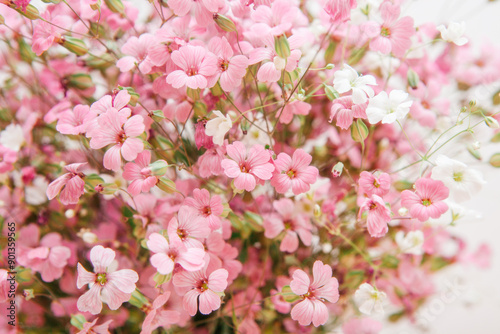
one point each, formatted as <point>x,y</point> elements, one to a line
<point>78,320</point>
<point>158,168</point>
<point>75,45</point>
<point>403,211</point>
<point>70,213</point>
<point>491,122</point>
<point>28,294</point>
<point>337,169</point>
<point>166,185</point>
<point>2,20</point>
<point>413,78</point>
<point>224,22</point>
<point>116,6</point>
<point>329,66</point>
<point>245,125</point>
<point>138,299</point>
<point>31,12</point>
<point>102,62</point>
<point>80,81</point>
<point>282,47</point>
<point>134,96</point>
<point>331,93</point>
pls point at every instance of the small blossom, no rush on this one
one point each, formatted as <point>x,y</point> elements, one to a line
<point>339,10</point>
<point>323,288</point>
<point>92,328</point>
<point>209,208</point>
<point>136,50</point>
<point>370,184</point>
<point>12,137</point>
<point>345,110</point>
<point>388,108</point>
<point>247,169</point>
<point>348,79</point>
<point>7,159</point>
<point>76,121</point>
<point>454,33</point>
<point>157,316</point>
<point>411,243</point>
<point>196,66</point>
<point>218,127</point>
<point>166,255</point>
<point>378,216</point>
<point>294,172</point>
<point>203,289</point>
<point>70,185</point>
<point>369,300</point>
<point>114,129</point>
<point>428,199</point>
<point>140,174</point>
<point>106,285</point>
<point>462,181</point>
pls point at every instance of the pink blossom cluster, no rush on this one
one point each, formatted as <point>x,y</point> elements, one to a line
<point>246,166</point>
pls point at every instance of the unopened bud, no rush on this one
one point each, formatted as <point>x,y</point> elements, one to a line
<point>25,51</point>
<point>116,6</point>
<point>166,185</point>
<point>329,66</point>
<point>476,145</point>
<point>413,78</point>
<point>100,63</point>
<point>224,22</point>
<point>88,237</point>
<point>80,81</point>
<point>472,103</point>
<point>134,96</point>
<point>78,320</point>
<point>491,122</point>
<point>158,168</point>
<point>2,20</point>
<point>245,125</point>
<point>337,169</point>
<point>31,12</point>
<point>317,210</point>
<point>331,93</point>
<point>75,45</point>
<point>282,47</point>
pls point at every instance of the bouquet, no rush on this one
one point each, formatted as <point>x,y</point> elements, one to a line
<point>239,166</point>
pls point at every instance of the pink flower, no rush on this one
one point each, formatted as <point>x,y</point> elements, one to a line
<point>48,258</point>
<point>140,174</point>
<point>339,10</point>
<point>92,328</point>
<point>247,169</point>
<point>231,69</point>
<point>378,216</point>
<point>118,101</point>
<point>76,121</point>
<point>114,129</point>
<point>196,64</point>
<point>71,183</point>
<point>167,255</point>
<point>393,35</point>
<point>270,71</point>
<point>7,158</point>
<point>369,184</point>
<point>159,317</point>
<point>427,201</point>
<point>203,286</point>
<point>294,172</point>
<point>106,286</point>
<point>46,33</point>
<point>209,208</point>
<point>294,108</point>
<point>346,111</point>
<point>202,9</point>
<point>289,220</point>
<point>210,163</point>
<point>137,51</point>
<point>323,288</point>
<point>200,137</point>
<point>362,326</point>
<point>188,227</point>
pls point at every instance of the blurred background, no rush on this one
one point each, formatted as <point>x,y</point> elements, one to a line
<point>469,301</point>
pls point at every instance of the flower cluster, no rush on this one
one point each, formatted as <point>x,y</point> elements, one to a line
<point>235,166</point>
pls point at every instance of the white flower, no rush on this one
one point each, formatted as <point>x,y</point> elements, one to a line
<point>34,194</point>
<point>411,243</point>
<point>12,137</point>
<point>454,33</point>
<point>218,127</point>
<point>462,181</point>
<point>388,108</point>
<point>370,300</point>
<point>348,79</point>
